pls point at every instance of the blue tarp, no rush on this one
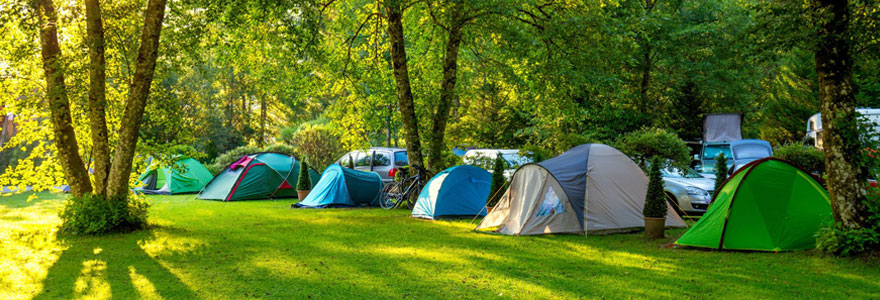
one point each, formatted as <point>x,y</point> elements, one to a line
<point>344,187</point>
<point>457,191</point>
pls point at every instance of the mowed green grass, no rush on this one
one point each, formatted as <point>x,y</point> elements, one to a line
<point>263,249</point>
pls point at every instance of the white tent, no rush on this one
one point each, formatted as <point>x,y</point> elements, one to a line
<point>592,188</point>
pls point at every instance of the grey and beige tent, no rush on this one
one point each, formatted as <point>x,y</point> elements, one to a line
<point>591,188</point>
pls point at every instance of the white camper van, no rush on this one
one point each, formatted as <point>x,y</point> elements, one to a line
<point>814,125</point>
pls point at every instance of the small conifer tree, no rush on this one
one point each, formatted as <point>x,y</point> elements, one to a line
<point>498,179</point>
<point>720,171</point>
<point>655,199</point>
<point>304,183</point>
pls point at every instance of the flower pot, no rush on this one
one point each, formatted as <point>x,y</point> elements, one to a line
<point>655,228</point>
<point>302,194</point>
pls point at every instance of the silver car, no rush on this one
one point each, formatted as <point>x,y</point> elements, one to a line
<point>687,191</point>
<point>385,161</point>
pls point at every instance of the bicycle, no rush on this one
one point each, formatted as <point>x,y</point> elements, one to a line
<point>406,192</point>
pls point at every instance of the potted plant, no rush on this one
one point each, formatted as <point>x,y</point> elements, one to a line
<point>304,183</point>
<point>655,203</point>
<point>498,182</point>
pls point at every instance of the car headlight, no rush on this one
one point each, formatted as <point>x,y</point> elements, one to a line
<point>696,191</point>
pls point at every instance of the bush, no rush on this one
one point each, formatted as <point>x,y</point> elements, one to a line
<point>809,158</point>
<point>720,171</point>
<point>318,143</point>
<point>280,148</point>
<point>230,157</point>
<point>304,183</point>
<point>840,241</point>
<point>96,215</point>
<point>655,142</point>
<point>498,180</point>
<point>655,198</point>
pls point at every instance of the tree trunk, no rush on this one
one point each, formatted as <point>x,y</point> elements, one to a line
<point>120,170</point>
<point>846,179</point>
<point>447,94</point>
<point>59,106</point>
<point>401,77</point>
<point>97,100</point>
<point>263,107</point>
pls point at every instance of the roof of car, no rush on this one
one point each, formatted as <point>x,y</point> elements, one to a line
<point>384,148</point>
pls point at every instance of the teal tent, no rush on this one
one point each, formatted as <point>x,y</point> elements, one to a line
<point>257,176</point>
<point>454,192</point>
<point>186,176</point>
<point>344,187</point>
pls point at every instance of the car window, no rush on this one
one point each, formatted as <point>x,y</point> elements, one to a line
<point>514,160</point>
<point>673,172</point>
<point>381,159</point>
<point>710,152</point>
<point>344,161</point>
<point>363,160</point>
<point>400,159</point>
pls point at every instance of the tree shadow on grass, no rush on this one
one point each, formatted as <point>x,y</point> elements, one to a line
<point>112,266</point>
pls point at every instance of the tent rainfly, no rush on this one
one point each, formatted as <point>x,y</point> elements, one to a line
<point>768,205</point>
<point>454,192</point>
<point>344,187</point>
<point>591,188</point>
<point>186,176</point>
<point>257,176</point>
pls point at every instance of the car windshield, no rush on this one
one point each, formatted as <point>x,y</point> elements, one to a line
<point>672,172</point>
<point>712,151</point>
<point>748,151</point>
<point>514,160</point>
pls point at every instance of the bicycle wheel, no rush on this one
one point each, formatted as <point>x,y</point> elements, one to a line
<point>392,194</point>
<point>411,197</point>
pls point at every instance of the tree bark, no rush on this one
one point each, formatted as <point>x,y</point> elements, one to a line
<point>846,179</point>
<point>59,106</point>
<point>97,100</point>
<point>263,108</point>
<point>120,170</point>
<point>447,92</point>
<point>401,77</point>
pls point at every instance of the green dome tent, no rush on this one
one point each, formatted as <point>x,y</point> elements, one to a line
<point>768,205</point>
<point>187,176</point>
<point>257,176</point>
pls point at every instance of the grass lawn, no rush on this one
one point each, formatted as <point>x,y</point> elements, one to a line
<point>263,249</point>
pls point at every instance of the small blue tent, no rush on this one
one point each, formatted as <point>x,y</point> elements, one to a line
<point>344,187</point>
<point>457,191</point>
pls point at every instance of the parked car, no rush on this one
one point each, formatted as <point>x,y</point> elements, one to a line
<point>687,190</point>
<point>746,151</point>
<point>485,158</point>
<point>385,161</point>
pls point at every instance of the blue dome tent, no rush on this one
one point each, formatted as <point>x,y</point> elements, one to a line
<point>344,187</point>
<point>454,192</point>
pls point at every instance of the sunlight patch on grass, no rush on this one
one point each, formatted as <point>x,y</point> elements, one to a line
<point>142,284</point>
<point>91,283</point>
<point>28,246</point>
<point>165,242</point>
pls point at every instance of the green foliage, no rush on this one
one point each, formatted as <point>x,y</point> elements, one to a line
<point>809,158</point>
<point>498,180</point>
<point>838,240</point>
<point>230,157</point>
<point>96,215</point>
<point>646,143</point>
<point>720,171</point>
<point>317,142</point>
<point>303,183</point>
<point>655,198</point>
